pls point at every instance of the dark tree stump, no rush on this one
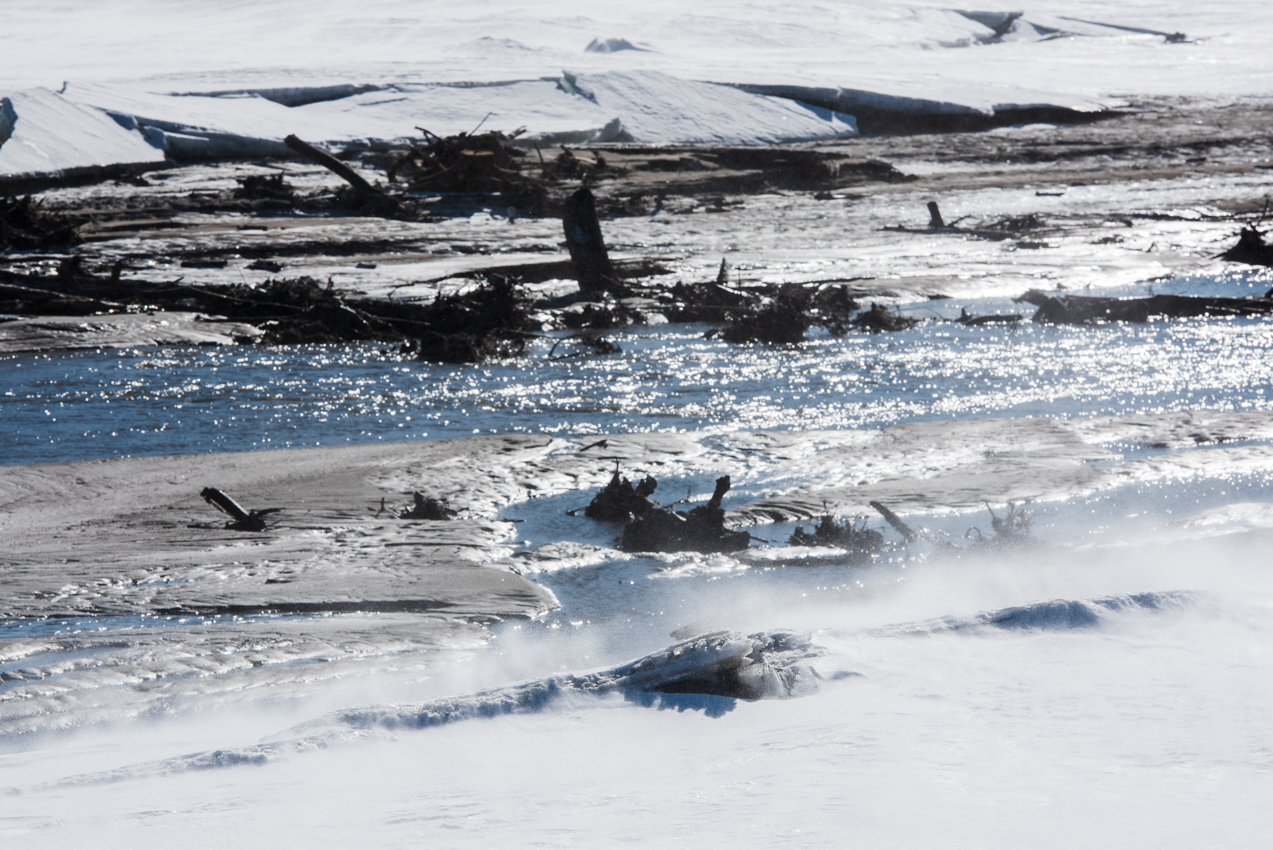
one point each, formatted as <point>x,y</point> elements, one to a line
<point>587,247</point>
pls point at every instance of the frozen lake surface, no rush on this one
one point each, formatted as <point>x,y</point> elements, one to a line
<point>168,401</point>
<point>1109,685</point>
<point>1111,681</point>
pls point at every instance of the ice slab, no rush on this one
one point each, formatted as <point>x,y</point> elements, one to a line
<point>43,133</point>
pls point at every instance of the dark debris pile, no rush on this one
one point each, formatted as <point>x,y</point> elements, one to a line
<point>480,163</point>
<point>25,225</point>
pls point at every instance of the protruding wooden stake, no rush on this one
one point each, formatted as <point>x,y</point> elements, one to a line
<point>587,247</point>
<point>936,221</point>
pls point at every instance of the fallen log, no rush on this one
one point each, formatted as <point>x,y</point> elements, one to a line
<point>894,520</point>
<point>1087,310</point>
<point>379,202</point>
<point>241,518</point>
<point>990,319</point>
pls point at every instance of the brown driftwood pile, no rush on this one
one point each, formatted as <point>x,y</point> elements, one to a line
<point>621,500</point>
<point>783,320</point>
<point>860,543</point>
<point>488,321</point>
<point>482,163</point>
<point>25,225</point>
<point>427,507</point>
<point>701,529</point>
<point>1088,310</point>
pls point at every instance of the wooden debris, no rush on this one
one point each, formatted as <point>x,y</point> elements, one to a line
<point>894,520</point>
<point>241,519</point>
<point>829,532</point>
<point>1250,249</point>
<point>621,500</point>
<point>376,201</point>
<point>1012,529</point>
<point>427,507</point>
<point>26,225</point>
<point>700,530</point>
<point>482,163</point>
<point>783,321</point>
<point>488,322</point>
<point>991,319</point>
<point>878,318</point>
<point>587,247</point>
<point>1088,310</point>
<point>934,214</point>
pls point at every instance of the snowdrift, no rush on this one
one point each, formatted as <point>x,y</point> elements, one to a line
<point>43,134</point>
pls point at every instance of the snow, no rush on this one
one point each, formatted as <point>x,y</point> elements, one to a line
<point>43,133</point>
<point>133,57</point>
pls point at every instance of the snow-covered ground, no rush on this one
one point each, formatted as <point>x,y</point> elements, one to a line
<point>229,78</point>
<point>1110,686</point>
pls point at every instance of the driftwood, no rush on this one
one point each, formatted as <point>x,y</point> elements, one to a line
<point>990,319</point>
<point>26,225</point>
<point>587,247</point>
<point>700,530</point>
<point>1250,249</point>
<point>894,520</point>
<point>783,320</point>
<point>426,507</point>
<point>621,500</point>
<point>377,200</point>
<point>1087,310</point>
<point>878,319</point>
<point>1011,529</point>
<point>241,519</point>
<point>934,213</point>
<point>830,532</point>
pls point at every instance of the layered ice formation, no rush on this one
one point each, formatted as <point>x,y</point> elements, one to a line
<point>231,80</point>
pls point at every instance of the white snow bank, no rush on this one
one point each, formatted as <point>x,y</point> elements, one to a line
<point>42,133</point>
<point>644,106</point>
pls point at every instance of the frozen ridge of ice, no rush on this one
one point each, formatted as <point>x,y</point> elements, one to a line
<point>709,673</point>
<point>42,132</point>
<point>1056,614</point>
<point>57,132</point>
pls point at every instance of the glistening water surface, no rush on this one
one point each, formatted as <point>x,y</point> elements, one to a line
<point>75,406</point>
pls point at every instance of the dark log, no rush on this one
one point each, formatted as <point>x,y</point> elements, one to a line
<point>368,194</point>
<point>242,519</point>
<point>894,520</point>
<point>935,219</point>
<point>587,247</point>
<point>1086,310</point>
